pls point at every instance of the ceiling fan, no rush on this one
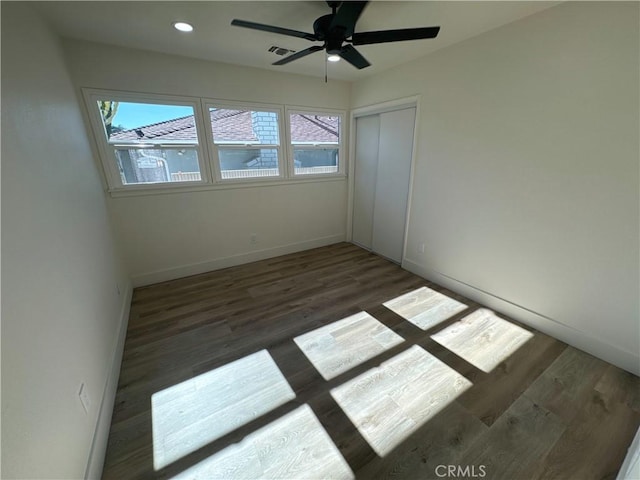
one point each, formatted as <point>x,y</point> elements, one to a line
<point>337,29</point>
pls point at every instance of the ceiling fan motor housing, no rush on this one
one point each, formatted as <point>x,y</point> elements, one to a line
<point>332,38</point>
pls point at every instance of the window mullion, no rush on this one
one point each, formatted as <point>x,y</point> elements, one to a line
<point>205,156</point>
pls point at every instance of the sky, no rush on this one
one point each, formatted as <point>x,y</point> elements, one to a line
<point>132,115</point>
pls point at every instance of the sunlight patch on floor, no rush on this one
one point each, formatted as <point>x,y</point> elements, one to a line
<point>294,446</point>
<point>424,307</point>
<point>344,344</point>
<point>390,402</point>
<point>483,339</point>
<point>193,413</point>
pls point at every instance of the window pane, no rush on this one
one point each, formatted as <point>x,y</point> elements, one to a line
<point>248,162</point>
<point>315,140</point>
<point>158,165</point>
<point>314,129</point>
<point>244,126</point>
<point>315,160</point>
<point>128,122</point>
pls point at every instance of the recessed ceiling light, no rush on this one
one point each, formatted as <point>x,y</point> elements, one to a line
<point>333,58</point>
<point>183,26</point>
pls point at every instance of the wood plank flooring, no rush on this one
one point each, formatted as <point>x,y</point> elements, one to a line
<point>272,370</point>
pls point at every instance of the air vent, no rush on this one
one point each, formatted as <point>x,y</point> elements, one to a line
<point>280,50</point>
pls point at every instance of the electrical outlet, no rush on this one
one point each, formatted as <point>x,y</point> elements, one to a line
<point>253,238</point>
<point>421,248</point>
<point>84,398</point>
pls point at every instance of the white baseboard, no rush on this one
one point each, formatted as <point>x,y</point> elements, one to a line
<point>103,424</point>
<point>225,262</point>
<point>630,469</point>
<point>624,359</point>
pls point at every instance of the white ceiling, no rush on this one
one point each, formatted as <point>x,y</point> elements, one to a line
<point>148,26</point>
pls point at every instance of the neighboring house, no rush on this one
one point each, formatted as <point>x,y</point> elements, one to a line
<point>232,129</point>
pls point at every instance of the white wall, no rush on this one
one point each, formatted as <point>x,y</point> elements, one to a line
<point>526,186</point>
<point>168,236</point>
<point>61,313</point>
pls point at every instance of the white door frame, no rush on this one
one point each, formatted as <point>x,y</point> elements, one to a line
<point>398,104</point>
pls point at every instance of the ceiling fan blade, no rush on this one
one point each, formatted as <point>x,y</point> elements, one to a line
<point>297,55</point>
<point>347,16</point>
<point>273,29</point>
<point>352,56</point>
<point>385,36</point>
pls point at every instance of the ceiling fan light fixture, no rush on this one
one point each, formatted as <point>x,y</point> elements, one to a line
<point>183,26</point>
<point>332,57</point>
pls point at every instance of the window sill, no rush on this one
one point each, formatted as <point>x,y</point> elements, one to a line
<point>224,185</point>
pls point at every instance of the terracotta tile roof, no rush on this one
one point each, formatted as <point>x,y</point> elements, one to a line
<point>231,126</point>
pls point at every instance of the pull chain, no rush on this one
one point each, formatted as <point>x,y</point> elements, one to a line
<point>325,69</point>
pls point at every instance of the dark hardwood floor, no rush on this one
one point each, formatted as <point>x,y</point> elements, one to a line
<point>546,410</point>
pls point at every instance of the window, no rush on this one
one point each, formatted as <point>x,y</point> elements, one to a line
<point>147,141</point>
<point>315,142</point>
<point>247,142</point>
<point>156,143</point>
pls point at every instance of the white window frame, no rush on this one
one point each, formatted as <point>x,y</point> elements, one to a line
<point>106,150</point>
<point>213,147</point>
<point>341,133</point>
